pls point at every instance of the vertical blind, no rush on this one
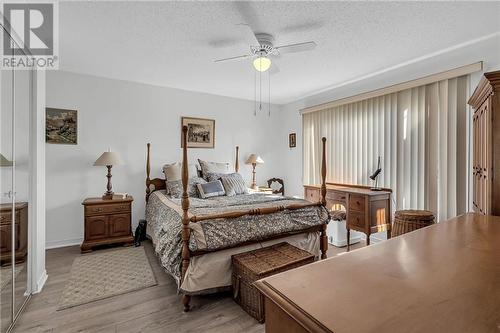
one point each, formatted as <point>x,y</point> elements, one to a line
<point>421,135</point>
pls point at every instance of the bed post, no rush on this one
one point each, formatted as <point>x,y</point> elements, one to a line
<point>148,171</point>
<point>323,238</point>
<point>185,217</point>
<point>237,162</point>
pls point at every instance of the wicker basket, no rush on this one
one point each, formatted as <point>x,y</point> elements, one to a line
<point>410,220</point>
<point>251,266</point>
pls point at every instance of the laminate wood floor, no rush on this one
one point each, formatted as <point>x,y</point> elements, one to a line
<point>154,309</point>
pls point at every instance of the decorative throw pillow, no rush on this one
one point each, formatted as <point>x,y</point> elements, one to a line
<point>174,171</point>
<point>174,187</point>
<point>233,184</point>
<point>213,176</point>
<point>213,167</point>
<point>211,189</point>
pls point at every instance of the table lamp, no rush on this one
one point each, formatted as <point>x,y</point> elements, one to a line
<point>108,159</point>
<point>4,162</point>
<point>375,175</point>
<point>254,159</point>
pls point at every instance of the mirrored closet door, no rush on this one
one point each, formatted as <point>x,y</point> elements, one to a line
<point>15,165</point>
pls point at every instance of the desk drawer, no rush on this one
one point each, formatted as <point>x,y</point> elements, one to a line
<point>356,219</point>
<point>107,209</point>
<point>312,194</point>
<point>336,196</point>
<point>357,202</point>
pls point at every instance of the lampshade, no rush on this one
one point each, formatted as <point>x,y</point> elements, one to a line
<point>108,158</point>
<point>262,64</point>
<point>4,162</point>
<point>253,158</point>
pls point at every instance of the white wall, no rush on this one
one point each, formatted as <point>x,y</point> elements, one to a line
<point>125,116</point>
<point>487,50</point>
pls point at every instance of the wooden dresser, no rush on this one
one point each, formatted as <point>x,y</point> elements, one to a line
<point>107,222</point>
<point>367,211</point>
<point>21,226</point>
<point>443,278</point>
<point>486,145</point>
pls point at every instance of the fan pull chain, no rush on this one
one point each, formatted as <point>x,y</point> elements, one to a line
<point>255,93</point>
<point>269,91</point>
<point>260,91</point>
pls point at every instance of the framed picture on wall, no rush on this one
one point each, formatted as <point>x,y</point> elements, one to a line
<point>61,126</point>
<point>201,132</point>
<point>292,140</point>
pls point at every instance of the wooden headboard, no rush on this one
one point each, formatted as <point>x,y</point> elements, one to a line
<point>157,184</point>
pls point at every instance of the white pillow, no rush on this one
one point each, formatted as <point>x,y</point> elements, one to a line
<point>213,167</point>
<point>173,171</point>
<point>233,184</point>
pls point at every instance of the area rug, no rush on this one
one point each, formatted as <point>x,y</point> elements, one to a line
<point>101,275</point>
<point>6,274</point>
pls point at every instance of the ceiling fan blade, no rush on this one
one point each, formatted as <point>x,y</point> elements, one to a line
<point>299,47</point>
<point>248,34</point>
<point>233,58</point>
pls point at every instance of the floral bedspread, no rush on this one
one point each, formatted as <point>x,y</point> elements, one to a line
<point>164,214</point>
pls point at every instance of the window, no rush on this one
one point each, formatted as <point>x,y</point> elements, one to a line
<point>421,135</point>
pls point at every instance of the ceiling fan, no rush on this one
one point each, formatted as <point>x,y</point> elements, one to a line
<point>262,49</point>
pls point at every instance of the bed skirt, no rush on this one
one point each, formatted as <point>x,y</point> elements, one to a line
<point>211,272</point>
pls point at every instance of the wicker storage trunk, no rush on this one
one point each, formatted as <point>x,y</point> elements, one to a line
<point>409,220</point>
<point>251,266</point>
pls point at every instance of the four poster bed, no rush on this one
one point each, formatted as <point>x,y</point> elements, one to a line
<point>194,238</point>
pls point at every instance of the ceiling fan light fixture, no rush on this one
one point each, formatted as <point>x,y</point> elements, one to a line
<point>262,64</point>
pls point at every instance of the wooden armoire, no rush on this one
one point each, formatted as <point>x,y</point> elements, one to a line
<point>486,144</point>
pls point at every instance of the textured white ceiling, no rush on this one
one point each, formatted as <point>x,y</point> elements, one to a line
<point>174,43</point>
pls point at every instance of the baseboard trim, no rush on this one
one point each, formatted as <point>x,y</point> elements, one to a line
<point>342,243</point>
<point>62,243</point>
<point>375,240</point>
<point>41,282</point>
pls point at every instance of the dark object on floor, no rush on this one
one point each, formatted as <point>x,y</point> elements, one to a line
<point>140,233</point>
<point>280,182</point>
<point>251,266</point>
<point>410,220</point>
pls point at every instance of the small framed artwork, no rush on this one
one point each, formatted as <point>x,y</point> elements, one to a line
<point>61,126</point>
<point>201,132</point>
<point>292,140</point>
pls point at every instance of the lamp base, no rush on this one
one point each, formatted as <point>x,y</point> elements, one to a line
<point>107,196</point>
<point>376,189</point>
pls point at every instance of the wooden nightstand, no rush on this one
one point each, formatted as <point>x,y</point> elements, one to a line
<point>107,222</point>
<point>21,245</point>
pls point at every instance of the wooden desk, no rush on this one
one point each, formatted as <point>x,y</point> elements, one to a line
<point>442,278</point>
<point>367,211</point>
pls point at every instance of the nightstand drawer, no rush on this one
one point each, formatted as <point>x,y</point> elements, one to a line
<point>6,218</point>
<point>107,209</point>
<point>96,227</point>
<point>6,240</point>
